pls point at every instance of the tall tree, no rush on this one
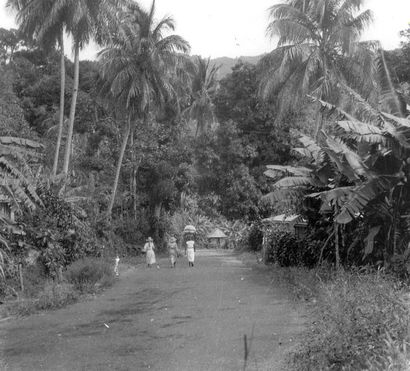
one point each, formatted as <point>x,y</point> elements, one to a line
<point>38,20</point>
<point>10,41</point>
<point>204,84</point>
<point>318,51</point>
<point>85,19</point>
<point>139,66</point>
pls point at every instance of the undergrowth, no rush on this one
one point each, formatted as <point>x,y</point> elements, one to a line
<point>89,273</point>
<point>85,276</point>
<point>361,319</point>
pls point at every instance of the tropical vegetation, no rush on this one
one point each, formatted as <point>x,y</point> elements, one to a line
<point>97,155</point>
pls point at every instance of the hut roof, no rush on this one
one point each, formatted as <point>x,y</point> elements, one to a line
<point>217,233</point>
<point>282,219</point>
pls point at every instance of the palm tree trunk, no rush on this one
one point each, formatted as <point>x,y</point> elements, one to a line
<point>72,108</point>
<point>319,123</point>
<point>119,164</point>
<point>336,227</point>
<point>157,217</point>
<point>399,111</point>
<point>133,185</point>
<point>157,210</point>
<point>62,92</point>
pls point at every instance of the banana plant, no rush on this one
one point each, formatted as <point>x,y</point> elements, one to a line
<point>360,172</point>
<point>18,157</point>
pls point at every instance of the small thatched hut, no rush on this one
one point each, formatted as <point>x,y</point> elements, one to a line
<point>216,237</point>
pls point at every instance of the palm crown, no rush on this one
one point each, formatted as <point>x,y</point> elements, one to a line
<point>139,61</point>
<point>316,39</point>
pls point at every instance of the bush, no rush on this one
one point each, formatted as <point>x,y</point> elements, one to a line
<point>52,296</point>
<point>55,295</point>
<point>34,277</point>
<point>362,321</point>
<point>283,248</point>
<point>255,237</point>
<point>88,273</point>
<point>286,250</point>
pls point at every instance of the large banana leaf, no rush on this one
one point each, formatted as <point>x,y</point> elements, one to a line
<point>275,171</point>
<point>398,120</point>
<point>353,159</point>
<point>296,181</point>
<point>369,240</point>
<point>316,152</point>
<point>334,197</point>
<point>27,143</point>
<point>358,200</point>
<point>284,195</point>
<point>362,132</point>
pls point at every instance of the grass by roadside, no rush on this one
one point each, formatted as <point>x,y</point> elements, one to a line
<point>361,319</point>
<point>87,276</point>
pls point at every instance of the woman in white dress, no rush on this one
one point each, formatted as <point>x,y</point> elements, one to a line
<point>149,251</point>
<point>190,252</point>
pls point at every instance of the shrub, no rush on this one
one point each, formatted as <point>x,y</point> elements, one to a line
<point>286,250</point>
<point>34,277</point>
<point>288,253</point>
<point>56,295</point>
<point>52,296</point>
<point>255,237</point>
<point>88,273</point>
<point>283,248</point>
<point>362,321</point>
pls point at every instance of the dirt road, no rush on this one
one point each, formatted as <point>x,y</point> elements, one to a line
<point>169,319</point>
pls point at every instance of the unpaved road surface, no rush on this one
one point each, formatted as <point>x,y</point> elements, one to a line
<point>168,319</point>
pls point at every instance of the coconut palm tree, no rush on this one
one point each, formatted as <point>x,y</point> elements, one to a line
<point>204,83</point>
<point>139,66</point>
<point>37,21</point>
<point>318,51</point>
<point>84,19</point>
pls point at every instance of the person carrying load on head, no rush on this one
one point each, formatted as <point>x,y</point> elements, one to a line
<point>189,237</point>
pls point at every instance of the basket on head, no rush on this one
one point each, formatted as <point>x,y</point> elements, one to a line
<point>189,229</point>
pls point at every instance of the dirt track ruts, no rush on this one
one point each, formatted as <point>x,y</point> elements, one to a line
<point>169,319</point>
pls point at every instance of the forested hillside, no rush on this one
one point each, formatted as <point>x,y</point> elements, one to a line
<point>144,160</point>
<point>225,64</point>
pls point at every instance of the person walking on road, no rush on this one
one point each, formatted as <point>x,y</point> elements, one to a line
<point>173,251</point>
<point>190,252</point>
<point>150,254</point>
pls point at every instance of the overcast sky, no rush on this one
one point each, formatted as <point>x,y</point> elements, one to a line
<point>235,28</point>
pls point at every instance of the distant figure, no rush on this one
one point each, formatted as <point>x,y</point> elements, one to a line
<point>173,251</point>
<point>117,261</point>
<point>190,252</point>
<point>150,254</point>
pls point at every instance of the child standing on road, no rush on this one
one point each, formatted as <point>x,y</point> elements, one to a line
<point>117,261</point>
<point>173,251</point>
